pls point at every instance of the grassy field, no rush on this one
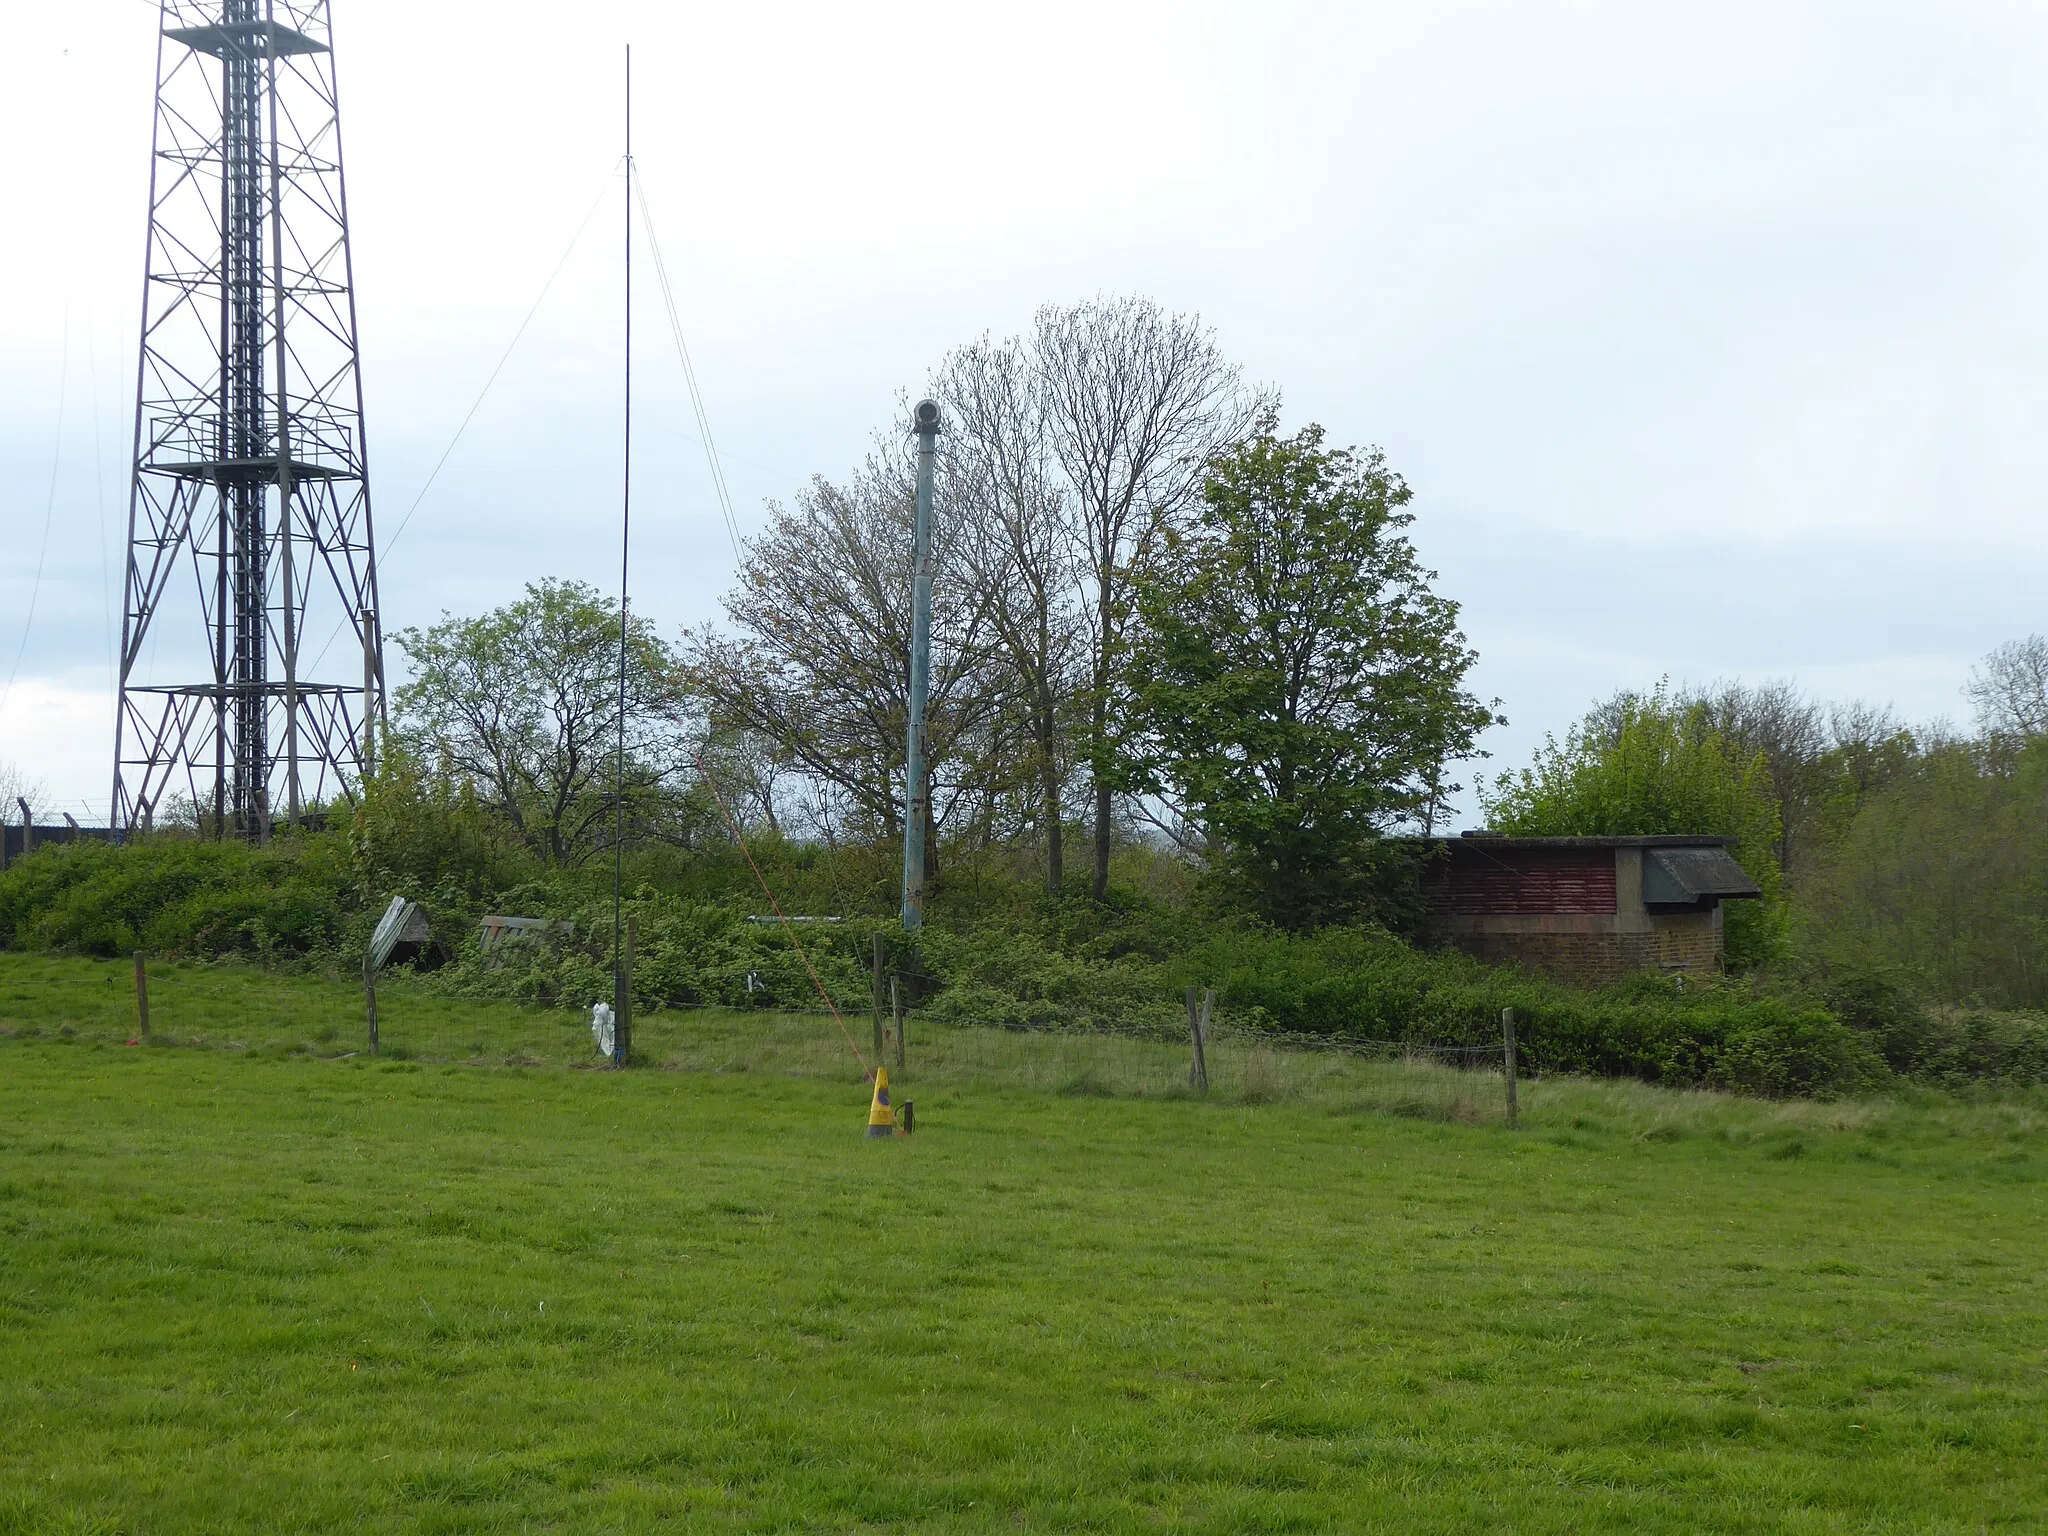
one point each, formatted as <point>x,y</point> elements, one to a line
<point>250,1282</point>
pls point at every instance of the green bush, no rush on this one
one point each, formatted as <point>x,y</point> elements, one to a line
<point>688,953</point>
<point>181,897</point>
<point>1975,1045</point>
<point>1362,984</point>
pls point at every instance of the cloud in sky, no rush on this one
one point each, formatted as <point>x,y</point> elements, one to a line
<point>1711,343</point>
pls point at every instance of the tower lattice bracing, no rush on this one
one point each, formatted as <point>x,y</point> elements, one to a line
<point>251,664</point>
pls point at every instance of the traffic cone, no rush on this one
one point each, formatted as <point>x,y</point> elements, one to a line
<point>881,1118</point>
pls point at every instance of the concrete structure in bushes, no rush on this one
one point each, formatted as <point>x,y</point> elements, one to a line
<point>1584,909</point>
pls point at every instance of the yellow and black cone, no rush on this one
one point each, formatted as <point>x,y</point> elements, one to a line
<point>881,1118</point>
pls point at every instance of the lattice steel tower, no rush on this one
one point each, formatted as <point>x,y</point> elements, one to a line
<point>249,519</point>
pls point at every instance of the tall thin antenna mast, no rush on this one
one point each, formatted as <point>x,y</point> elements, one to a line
<point>622,1002</point>
<point>916,786</point>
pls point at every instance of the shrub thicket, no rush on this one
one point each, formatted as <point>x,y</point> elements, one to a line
<point>1119,966</point>
<point>191,898</point>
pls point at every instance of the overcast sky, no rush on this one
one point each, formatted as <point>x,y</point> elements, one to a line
<point>1713,341</point>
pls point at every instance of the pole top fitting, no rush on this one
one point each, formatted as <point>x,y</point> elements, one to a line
<point>926,417</point>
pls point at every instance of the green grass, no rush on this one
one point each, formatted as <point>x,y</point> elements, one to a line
<point>252,1286</point>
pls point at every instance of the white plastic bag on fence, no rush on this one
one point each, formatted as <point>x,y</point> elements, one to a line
<point>603,1028</point>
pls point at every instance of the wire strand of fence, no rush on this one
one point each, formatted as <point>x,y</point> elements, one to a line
<point>1221,1031</point>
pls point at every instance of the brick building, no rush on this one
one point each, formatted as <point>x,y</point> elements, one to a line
<point>1586,909</point>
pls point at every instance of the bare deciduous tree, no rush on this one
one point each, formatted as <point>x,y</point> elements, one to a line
<point>1017,542</point>
<point>16,785</point>
<point>820,666</point>
<point>1790,731</point>
<point>2009,689</point>
<point>1134,400</point>
<point>1871,744</point>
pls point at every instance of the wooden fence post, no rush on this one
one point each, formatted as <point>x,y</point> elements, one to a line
<point>370,993</point>
<point>896,1017</point>
<point>141,997</point>
<point>1507,1030</point>
<point>1198,1029</point>
<point>877,988</point>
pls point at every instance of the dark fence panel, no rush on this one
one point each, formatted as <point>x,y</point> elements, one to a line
<point>14,844</point>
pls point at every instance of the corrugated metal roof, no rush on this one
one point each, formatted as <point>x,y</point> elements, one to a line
<point>1531,880</point>
<point>1688,875</point>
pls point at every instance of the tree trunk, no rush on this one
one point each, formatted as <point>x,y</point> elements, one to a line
<point>1050,808</point>
<point>1099,747</point>
<point>1055,844</point>
<point>1101,841</point>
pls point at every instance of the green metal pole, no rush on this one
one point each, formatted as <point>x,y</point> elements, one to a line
<point>917,797</point>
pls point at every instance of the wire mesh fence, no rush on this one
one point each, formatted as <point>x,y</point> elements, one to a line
<point>1463,1083</point>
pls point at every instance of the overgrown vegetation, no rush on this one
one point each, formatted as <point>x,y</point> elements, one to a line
<point>1941,880</point>
<point>1079,965</point>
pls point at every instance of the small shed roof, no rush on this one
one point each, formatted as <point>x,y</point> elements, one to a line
<point>1688,876</point>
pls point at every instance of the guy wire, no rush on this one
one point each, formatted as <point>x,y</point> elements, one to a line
<point>35,590</point>
<point>477,404</point>
<point>668,298</point>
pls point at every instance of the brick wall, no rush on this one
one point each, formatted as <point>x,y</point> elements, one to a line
<point>1689,942</point>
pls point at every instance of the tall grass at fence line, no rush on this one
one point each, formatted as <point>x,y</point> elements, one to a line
<point>1243,1070</point>
<point>85,1006</point>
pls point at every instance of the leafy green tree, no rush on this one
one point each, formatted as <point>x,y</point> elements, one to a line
<point>1645,764</point>
<point>1298,685</point>
<point>420,831</point>
<point>522,706</point>
<point>1942,878</point>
